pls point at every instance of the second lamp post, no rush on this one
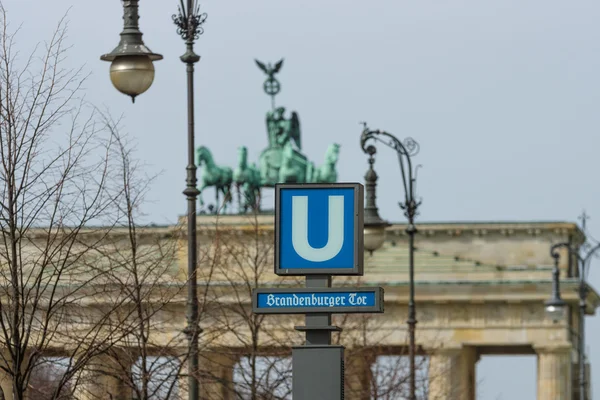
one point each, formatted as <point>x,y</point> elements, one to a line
<point>375,226</point>
<point>132,73</point>
<point>556,307</point>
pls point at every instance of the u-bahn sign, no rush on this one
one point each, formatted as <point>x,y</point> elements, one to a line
<point>318,233</point>
<point>308,300</point>
<point>319,229</point>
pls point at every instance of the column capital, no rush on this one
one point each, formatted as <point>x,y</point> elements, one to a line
<point>561,348</point>
<point>446,351</point>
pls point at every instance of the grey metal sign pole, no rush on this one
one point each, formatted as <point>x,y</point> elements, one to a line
<point>337,209</point>
<point>324,379</point>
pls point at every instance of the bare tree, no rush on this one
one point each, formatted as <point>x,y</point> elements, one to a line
<point>55,176</point>
<point>149,348</point>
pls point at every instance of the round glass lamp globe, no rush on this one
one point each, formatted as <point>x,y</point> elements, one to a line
<point>132,75</point>
<point>555,311</point>
<point>374,237</point>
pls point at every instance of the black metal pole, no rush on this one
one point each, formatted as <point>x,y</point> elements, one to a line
<point>188,21</point>
<point>412,313</point>
<point>582,306</point>
<point>191,192</point>
<point>582,300</point>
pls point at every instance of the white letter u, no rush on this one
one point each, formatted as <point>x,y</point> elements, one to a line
<point>335,238</point>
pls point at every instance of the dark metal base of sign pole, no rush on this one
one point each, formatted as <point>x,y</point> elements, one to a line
<point>318,367</point>
<point>318,373</point>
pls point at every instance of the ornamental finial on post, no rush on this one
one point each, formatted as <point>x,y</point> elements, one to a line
<point>364,137</point>
<point>189,22</point>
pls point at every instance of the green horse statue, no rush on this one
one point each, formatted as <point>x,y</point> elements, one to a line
<point>247,180</point>
<point>327,173</point>
<point>214,176</point>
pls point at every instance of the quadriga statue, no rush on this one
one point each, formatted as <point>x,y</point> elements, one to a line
<point>281,162</point>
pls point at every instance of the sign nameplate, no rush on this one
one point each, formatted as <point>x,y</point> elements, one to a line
<point>324,300</point>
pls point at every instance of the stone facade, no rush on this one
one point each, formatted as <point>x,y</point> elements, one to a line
<point>480,290</point>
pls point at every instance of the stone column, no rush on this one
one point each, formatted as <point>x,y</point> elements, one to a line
<point>452,374</point>
<point>216,375</point>
<point>554,373</point>
<point>104,378</point>
<point>358,374</point>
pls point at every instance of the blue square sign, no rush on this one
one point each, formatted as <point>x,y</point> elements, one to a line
<point>319,229</point>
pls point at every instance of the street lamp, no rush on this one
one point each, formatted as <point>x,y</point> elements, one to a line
<point>132,73</point>
<point>375,227</point>
<point>556,306</point>
<point>131,68</point>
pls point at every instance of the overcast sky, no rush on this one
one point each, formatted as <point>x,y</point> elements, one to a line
<point>503,97</point>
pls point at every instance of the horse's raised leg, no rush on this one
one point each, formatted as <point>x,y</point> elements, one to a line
<point>200,199</point>
<point>239,196</point>
<point>227,198</point>
<point>258,200</point>
<point>217,204</point>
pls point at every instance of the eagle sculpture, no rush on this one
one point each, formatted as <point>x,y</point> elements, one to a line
<point>269,69</point>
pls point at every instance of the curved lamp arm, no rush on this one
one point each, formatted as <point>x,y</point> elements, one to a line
<point>584,263</point>
<point>405,150</point>
<point>555,247</point>
<point>555,272</point>
<point>585,260</point>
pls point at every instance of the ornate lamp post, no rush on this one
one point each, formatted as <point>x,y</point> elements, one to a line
<point>132,73</point>
<point>375,226</point>
<point>556,307</point>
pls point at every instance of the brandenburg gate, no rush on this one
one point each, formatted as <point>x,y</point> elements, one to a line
<point>480,290</point>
